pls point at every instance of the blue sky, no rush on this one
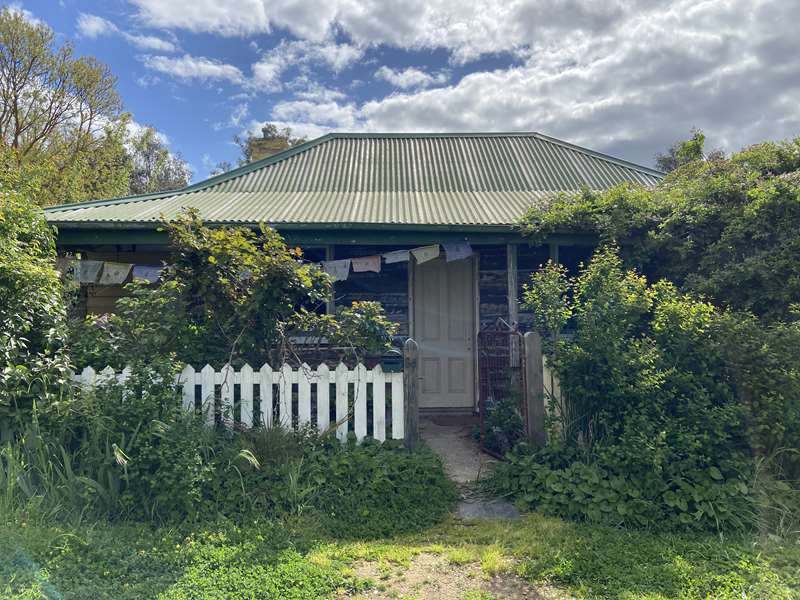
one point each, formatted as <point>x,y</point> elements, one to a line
<point>626,77</point>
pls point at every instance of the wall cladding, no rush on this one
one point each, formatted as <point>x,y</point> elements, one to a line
<point>389,287</point>
<point>529,260</point>
<point>493,285</point>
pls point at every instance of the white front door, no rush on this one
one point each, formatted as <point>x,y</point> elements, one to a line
<point>444,327</point>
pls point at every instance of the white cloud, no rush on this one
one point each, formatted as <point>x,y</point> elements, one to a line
<point>468,28</point>
<point>189,67</point>
<point>410,77</point>
<point>16,7</point>
<point>269,69</point>
<point>630,88</point>
<point>91,26</point>
<point>230,18</point>
<point>238,114</point>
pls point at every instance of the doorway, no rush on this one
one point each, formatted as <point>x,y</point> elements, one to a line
<point>443,300</point>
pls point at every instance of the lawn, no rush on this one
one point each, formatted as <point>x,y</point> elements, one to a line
<point>535,557</point>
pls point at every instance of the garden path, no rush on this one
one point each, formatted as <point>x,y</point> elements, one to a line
<point>452,439</point>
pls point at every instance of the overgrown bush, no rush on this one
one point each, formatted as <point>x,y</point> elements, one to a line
<point>232,295</point>
<point>129,451</point>
<point>32,313</point>
<point>723,227</point>
<point>666,400</point>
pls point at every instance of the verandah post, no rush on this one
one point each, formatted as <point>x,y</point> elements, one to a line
<point>410,380</point>
<point>534,394</point>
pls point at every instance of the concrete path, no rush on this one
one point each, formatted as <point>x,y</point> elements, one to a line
<point>452,439</point>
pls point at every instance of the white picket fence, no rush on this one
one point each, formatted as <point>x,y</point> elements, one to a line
<point>342,398</point>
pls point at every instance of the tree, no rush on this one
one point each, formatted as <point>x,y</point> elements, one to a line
<point>153,167</point>
<point>60,115</point>
<point>682,153</point>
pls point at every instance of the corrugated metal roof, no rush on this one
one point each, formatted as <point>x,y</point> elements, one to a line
<point>382,179</point>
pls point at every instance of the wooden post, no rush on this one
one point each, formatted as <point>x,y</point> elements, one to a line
<point>410,380</point>
<point>511,269</point>
<point>330,305</point>
<point>534,394</point>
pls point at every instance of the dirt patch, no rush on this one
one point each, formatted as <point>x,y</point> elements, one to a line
<point>433,577</point>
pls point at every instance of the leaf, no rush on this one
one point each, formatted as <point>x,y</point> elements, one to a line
<point>715,473</point>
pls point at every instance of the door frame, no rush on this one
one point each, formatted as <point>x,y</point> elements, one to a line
<point>475,279</point>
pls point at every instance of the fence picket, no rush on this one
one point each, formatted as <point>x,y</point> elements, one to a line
<point>342,412</point>
<point>187,382</point>
<point>107,375</point>
<point>378,404</point>
<point>285,396</point>
<point>246,396</point>
<point>323,397</point>
<point>304,395</point>
<point>265,400</point>
<point>207,395</point>
<point>88,376</point>
<point>398,409</point>
<point>226,395</point>
<point>360,402</point>
<point>285,378</point>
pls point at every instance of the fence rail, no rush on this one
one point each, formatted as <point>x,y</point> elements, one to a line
<point>368,402</point>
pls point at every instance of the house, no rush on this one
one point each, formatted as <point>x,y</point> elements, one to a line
<point>354,195</point>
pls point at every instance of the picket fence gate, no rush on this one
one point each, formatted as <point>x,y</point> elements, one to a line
<point>368,402</point>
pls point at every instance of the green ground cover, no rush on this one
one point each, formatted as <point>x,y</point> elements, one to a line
<point>296,560</point>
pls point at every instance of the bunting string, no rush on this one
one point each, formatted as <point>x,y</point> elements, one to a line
<point>98,272</point>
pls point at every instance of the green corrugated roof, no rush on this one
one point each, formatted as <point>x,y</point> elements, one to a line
<point>480,179</point>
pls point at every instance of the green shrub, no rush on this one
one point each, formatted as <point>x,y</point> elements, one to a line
<point>32,309</point>
<point>130,451</point>
<point>722,227</point>
<point>367,490</point>
<point>666,400</point>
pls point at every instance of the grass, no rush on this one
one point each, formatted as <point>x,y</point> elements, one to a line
<point>289,560</point>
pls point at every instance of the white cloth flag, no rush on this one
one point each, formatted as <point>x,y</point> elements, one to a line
<point>425,253</point>
<point>457,251</point>
<point>147,273</point>
<point>87,271</point>
<point>338,269</point>
<point>115,273</point>
<point>367,263</point>
<point>396,256</point>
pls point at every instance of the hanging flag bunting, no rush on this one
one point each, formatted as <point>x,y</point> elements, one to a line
<point>457,250</point>
<point>147,272</point>
<point>425,253</point>
<point>396,256</point>
<point>88,271</point>
<point>367,263</point>
<point>115,273</point>
<point>63,265</point>
<point>338,269</point>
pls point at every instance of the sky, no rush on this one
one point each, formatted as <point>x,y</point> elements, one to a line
<point>625,77</point>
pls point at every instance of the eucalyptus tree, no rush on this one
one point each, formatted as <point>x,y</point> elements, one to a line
<point>61,117</point>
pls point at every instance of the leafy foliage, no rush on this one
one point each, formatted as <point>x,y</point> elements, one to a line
<point>32,313</point>
<point>59,115</point>
<point>127,561</point>
<point>154,167</point>
<point>130,451</point>
<point>230,295</point>
<point>659,417</point>
<point>722,227</point>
